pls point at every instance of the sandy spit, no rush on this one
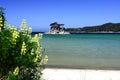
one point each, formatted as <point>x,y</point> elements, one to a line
<point>79,74</point>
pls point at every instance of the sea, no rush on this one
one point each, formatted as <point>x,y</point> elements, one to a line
<point>84,51</point>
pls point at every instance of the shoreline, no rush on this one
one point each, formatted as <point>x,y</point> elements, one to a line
<point>81,67</point>
<point>84,32</point>
<point>79,74</point>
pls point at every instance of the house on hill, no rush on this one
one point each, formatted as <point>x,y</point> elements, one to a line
<point>57,29</point>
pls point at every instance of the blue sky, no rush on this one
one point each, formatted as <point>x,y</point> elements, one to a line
<point>73,13</point>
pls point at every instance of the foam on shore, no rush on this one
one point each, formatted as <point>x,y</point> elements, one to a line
<point>80,74</point>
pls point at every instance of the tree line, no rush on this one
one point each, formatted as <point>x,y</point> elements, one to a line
<point>107,27</point>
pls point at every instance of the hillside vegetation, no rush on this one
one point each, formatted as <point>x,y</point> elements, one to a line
<point>108,27</point>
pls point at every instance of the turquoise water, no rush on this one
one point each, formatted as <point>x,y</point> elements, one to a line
<point>83,50</point>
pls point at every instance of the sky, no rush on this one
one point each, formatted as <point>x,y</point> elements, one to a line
<point>73,13</point>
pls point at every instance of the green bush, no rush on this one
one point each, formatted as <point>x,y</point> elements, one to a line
<point>21,56</point>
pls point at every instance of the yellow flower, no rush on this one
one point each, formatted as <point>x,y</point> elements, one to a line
<point>35,38</point>
<point>0,18</point>
<point>36,59</point>
<point>15,34</point>
<point>16,71</point>
<point>1,24</point>
<point>0,29</point>
<point>32,52</point>
<point>45,60</point>
<point>23,26</point>
<point>23,49</point>
<point>29,30</point>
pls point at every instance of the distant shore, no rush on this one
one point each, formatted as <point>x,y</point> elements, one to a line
<point>95,33</point>
<point>84,32</point>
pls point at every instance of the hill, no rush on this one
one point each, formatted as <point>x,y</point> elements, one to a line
<point>107,27</point>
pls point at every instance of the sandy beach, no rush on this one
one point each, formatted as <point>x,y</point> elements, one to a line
<point>80,74</point>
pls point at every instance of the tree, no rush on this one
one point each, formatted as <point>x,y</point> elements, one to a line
<point>56,26</point>
<point>2,18</point>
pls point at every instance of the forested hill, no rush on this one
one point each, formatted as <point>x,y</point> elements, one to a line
<point>108,27</point>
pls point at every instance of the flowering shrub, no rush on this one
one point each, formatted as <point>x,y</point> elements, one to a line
<point>21,56</point>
